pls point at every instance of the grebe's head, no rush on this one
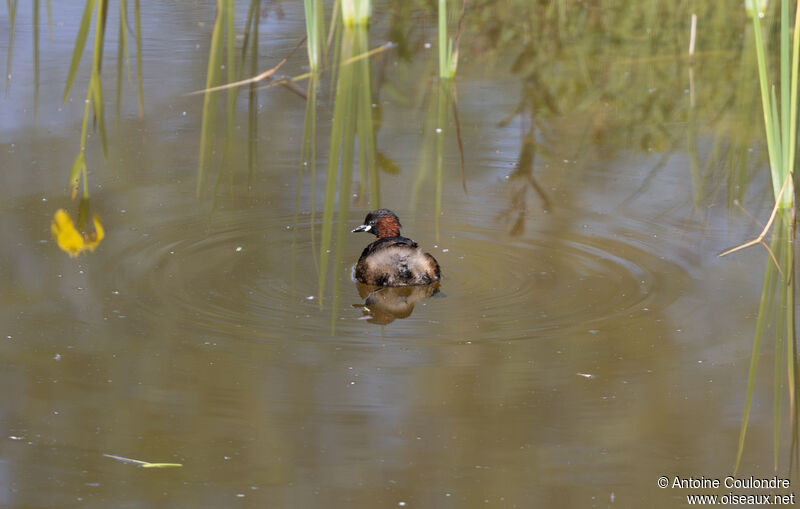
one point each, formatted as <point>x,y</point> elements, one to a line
<point>382,223</point>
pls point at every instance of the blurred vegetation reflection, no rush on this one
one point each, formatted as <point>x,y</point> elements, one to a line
<point>626,62</point>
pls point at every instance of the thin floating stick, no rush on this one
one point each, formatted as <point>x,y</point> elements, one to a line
<point>255,79</point>
<point>760,238</point>
<point>284,81</point>
<point>266,75</point>
<point>380,49</point>
<point>142,464</point>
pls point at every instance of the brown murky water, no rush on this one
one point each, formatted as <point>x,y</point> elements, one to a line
<point>585,339</point>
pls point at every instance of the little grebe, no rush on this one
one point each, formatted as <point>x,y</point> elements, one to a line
<point>393,260</point>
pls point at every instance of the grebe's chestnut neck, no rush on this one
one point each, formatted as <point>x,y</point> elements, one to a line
<point>383,223</point>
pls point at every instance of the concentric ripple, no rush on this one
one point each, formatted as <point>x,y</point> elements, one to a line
<point>567,282</point>
<point>235,273</point>
<point>243,273</point>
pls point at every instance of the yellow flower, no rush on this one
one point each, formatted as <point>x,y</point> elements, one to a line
<point>68,237</point>
<point>92,239</point>
<point>65,233</point>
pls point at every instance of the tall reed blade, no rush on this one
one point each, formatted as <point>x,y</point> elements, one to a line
<point>776,310</point>
<point>356,12</point>
<point>793,92</point>
<point>138,21</point>
<point>352,132</point>
<point>766,291</point>
<point>444,102</point>
<point>80,43</point>
<point>210,97</point>
<point>95,83</point>
<point>348,153</point>
<point>444,42</point>
<point>785,63</point>
<point>364,124</point>
<point>308,160</point>
<point>122,53</point>
<point>341,118</point>
<point>315,32</point>
<point>427,150</point>
<point>49,9</point>
<point>252,96</point>
<point>233,91</point>
<point>11,6</point>
<point>448,46</point>
<point>35,57</point>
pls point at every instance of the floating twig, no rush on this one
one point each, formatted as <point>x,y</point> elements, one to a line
<point>760,238</point>
<point>142,464</point>
<point>255,79</point>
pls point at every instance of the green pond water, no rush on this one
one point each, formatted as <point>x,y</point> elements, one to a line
<point>585,339</point>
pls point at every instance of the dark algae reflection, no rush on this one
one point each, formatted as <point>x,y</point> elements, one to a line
<point>179,276</point>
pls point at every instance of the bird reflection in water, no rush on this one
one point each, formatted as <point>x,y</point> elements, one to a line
<point>384,304</point>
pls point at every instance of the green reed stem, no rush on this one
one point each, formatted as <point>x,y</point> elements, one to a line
<point>80,43</point>
<point>777,375</point>
<point>341,119</point>
<point>448,56</point>
<point>780,119</point>
<point>444,65</point>
<point>140,88</point>
<point>778,129</point>
<point>35,57</point>
<point>248,29</point>
<point>793,88</point>
<point>315,32</point>
<point>210,98</point>
<point>49,9</point>
<point>309,156</point>
<point>790,335</point>
<point>782,245</point>
<point>348,158</point>
<point>762,78</point>
<point>785,62</point>
<point>766,292</point>
<point>11,6</point>
<point>95,91</point>
<point>444,100</point>
<point>352,127</point>
<point>427,151</point>
<point>364,124</point>
<point>95,83</point>
<point>122,48</point>
<point>252,96</point>
<point>232,92</point>
<point>356,12</point>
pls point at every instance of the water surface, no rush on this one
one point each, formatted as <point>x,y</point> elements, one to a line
<point>585,340</point>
